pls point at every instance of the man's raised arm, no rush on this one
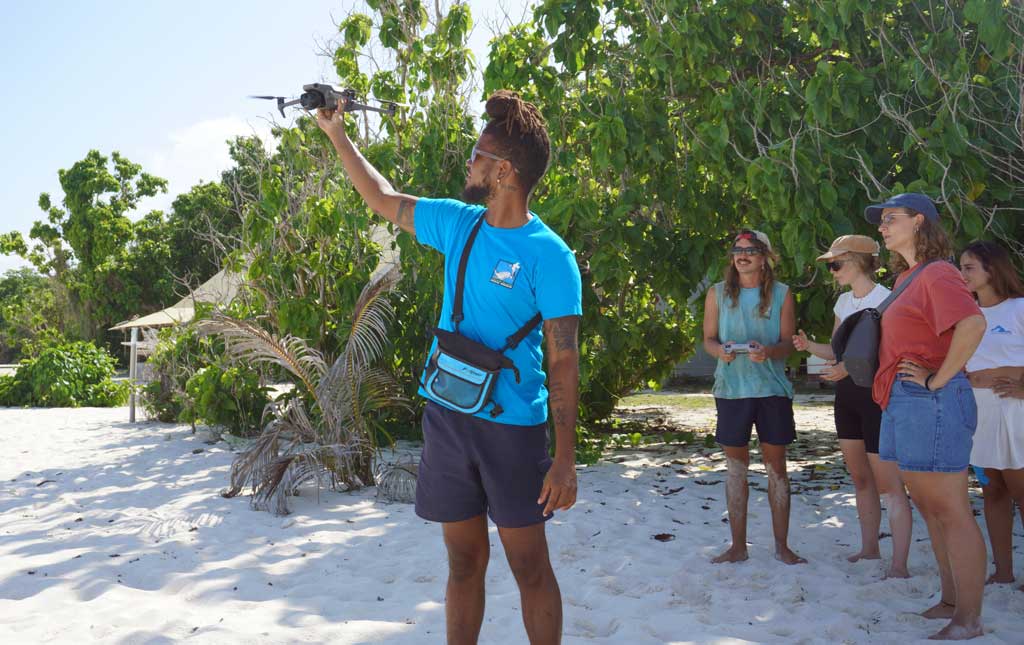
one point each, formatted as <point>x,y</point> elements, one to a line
<point>378,192</point>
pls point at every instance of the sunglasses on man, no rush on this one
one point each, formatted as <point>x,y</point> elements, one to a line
<point>476,152</point>
<point>746,250</point>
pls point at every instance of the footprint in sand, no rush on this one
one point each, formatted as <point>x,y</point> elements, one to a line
<point>588,629</point>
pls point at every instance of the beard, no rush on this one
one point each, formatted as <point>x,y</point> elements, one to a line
<point>477,194</point>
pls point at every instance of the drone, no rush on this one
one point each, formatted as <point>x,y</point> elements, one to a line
<point>320,95</point>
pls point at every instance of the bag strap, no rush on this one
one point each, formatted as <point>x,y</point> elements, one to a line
<point>513,341</point>
<point>900,289</point>
<point>460,280</point>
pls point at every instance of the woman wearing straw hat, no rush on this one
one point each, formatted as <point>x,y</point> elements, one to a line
<point>852,260</point>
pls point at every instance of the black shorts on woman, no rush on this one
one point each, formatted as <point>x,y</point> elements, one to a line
<point>857,415</point>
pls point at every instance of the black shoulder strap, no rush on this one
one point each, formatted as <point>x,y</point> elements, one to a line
<point>513,341</point>
<point>903,285</point>
<point>460,277</point>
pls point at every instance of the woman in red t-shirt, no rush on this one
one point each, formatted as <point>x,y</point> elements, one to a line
<point>928,409</point>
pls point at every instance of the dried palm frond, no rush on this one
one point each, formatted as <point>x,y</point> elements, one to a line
<point>331,443</point>
<point>396,482</point>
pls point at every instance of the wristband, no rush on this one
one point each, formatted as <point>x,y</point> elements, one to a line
<point>928,381</point>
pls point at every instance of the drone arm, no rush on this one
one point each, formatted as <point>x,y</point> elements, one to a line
<point>352,106</point>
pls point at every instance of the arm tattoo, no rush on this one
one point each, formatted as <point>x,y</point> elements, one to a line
<point>557,403</point>
<point>406,214</point>
<point>563,332</point>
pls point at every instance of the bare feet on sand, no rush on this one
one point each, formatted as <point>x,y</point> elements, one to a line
<point>957,632</point>
<point>733,554</point>
<point>893,572</point>
<point>784,555</point>
<point>864,555</point>
<point>941,610</point>
<point>999,579</point>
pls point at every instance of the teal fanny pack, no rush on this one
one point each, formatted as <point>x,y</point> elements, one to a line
<point>462,373</point>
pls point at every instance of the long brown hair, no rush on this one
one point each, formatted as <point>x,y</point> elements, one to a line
<point>1002,275</point>
<point>519,132</point>
<point>732,277</point>
<point>930,243</point>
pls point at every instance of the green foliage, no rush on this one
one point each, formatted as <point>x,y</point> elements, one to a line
<point>32,311</point>
<point>201,229</point>
<point>674,123</point>
<point>179,353</point>
<point>66,375</point>
<point>109,266</point>
<point>231,396</point>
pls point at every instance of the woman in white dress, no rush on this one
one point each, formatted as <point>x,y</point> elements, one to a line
<point>852,260</point>
<point>996,373</point>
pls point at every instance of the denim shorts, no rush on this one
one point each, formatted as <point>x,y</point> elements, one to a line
<point>929,431</point>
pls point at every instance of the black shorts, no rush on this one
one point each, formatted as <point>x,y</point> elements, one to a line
<point>857,415</point>
<point>472,466</point>
<point>773,416</point>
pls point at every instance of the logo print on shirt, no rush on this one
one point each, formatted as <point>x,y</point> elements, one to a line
<point>505,273</point>
<point>999,329</point>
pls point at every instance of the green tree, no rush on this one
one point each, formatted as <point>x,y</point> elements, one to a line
<point>32,308</point>
<point>676,122</point>
<point>84,242</point>
<point>202,229</point>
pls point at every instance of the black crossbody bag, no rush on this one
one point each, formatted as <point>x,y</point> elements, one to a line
<point>856,341</point>
<point>461,372</point>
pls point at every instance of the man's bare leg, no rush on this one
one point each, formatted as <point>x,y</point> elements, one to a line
<point>778,499</point>
<point>527,552</point>
<point>468,553</point>
<point>736,494</point>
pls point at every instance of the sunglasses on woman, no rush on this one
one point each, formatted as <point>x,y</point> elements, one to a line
<point>835,265</point>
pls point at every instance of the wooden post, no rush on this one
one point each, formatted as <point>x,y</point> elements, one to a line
<point>133,369</point>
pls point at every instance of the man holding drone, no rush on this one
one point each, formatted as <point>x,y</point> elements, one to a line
<point>507,276</point>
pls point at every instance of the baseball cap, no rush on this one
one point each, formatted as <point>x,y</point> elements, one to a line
<point>751,234</point>
<point>851,244</point>
<point>914,201</point>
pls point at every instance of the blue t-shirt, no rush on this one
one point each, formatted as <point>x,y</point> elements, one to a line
<point>512,274</point>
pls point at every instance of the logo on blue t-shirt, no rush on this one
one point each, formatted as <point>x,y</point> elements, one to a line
<point>505,273</point>
<point>999,329</point>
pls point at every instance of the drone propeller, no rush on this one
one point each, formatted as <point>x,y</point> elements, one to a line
<point>282,101</point>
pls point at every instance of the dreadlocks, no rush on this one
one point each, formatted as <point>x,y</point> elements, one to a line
<point>519,133</point>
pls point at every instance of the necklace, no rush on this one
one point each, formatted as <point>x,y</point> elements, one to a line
<point>855,301</point>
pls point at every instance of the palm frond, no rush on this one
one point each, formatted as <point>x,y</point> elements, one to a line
<point>371,318</point>
<point>334,442</point>
<point>396,482</point>
<point>248,342</point>
<point>286,474</point>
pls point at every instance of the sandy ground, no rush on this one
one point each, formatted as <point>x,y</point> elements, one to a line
<point>116,533</point>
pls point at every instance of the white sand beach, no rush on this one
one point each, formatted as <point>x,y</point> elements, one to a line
<point>116,533</point>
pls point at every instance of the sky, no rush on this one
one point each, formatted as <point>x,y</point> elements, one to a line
<point>163,82</point>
